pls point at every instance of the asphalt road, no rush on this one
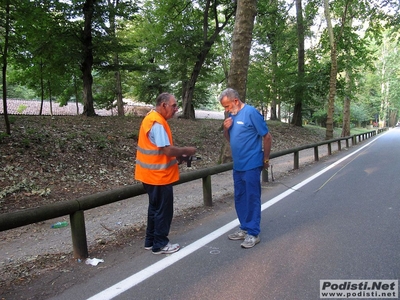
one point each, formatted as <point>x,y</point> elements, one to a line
<point>338,220</point>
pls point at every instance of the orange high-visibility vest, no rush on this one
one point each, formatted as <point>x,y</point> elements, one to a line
<point>153,167</point>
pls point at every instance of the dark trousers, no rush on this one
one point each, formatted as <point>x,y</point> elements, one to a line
<point>160,213</point>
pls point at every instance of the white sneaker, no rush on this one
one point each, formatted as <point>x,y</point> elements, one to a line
<point>250,241</point>
<point>168,249</point>
<point>238,235</point>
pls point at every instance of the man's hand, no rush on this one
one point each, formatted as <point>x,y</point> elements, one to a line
<point>178,151</point>
<point>228,123</point>
<point>189,151</point>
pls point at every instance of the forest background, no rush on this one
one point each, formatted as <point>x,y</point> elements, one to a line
<point>334,63</point>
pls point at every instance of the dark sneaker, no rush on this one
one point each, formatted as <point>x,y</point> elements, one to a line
<point>238,235</point>
<point>167,249</point>
<point>250,241</point>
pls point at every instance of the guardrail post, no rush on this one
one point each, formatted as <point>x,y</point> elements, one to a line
<point>78,232</point>
<point>264,174</point>
<point>339,145</point>
<point>207,193</point>
<point>329,149</point>
<point>316,156</point>
<point>296,160</point>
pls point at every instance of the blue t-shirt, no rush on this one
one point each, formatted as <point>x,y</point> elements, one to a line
<point>246,133</point>
<point>158,136</point>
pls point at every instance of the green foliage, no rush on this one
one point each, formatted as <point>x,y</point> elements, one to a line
<point>156,47</point>
<point>3,136</point>
<point>17,91</point>
<point>12,119</point>
<point>171,47</point>
<point>319,117</point>
<point>272,72</point>
<point>21,108</point>
<point>26,142</point>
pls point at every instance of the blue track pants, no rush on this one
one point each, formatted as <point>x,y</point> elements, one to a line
<point>247,196</point>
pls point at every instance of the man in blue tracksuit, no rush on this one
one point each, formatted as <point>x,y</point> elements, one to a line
<point>250,142</point>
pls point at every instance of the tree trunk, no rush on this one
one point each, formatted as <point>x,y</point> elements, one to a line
<point>76,95</point>
<point>4,67</point>
<point>334,67</point>
<point>346,106</point>
<point>347,97</point>
<point>118,89</point>
<point>298,97</point>
<point>332,94</point>
<point>274,114</point>
<point>41,89</point>
<point>86,67</point>
<point>188,109</point>
<point>51,102</point>
<point>118,84</point>
<point>274,102</point>
<point>385,103</point>
<point>271,35</point>
<point>393,117</point>
<point>241,45</point>
<point>383,113</point>
<point>333,74</point>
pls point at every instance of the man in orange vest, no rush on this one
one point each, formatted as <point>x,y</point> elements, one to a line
<point>157,168</point>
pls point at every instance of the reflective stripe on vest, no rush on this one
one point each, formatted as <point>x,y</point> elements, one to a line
<point>157,166</point>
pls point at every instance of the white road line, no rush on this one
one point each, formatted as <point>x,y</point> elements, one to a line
<point>139,277</point>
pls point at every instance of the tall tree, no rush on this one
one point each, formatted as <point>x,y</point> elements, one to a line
<point>389,75</point>
<point>46,57</point>
<point>12,41</point>
<point>333,72</point>
<point>275,48</point>
<point>356,53</point>
<point>87,62</point>
<point>346,104</point>
<point>116,61</point>
<point>349,52</point>
<point>347,97</point>
<point>4,52</point>
<point>241,45</point>
<point>207,43</point>
<point>333,42</point>
<point>178,44</point>
<point>273,34</point>
<point>299,91</point>
<point>110,22</point>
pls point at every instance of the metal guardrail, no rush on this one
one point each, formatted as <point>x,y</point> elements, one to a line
<point>75,208</point>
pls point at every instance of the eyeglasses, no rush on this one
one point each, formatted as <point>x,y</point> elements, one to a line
<point>174,106</point>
